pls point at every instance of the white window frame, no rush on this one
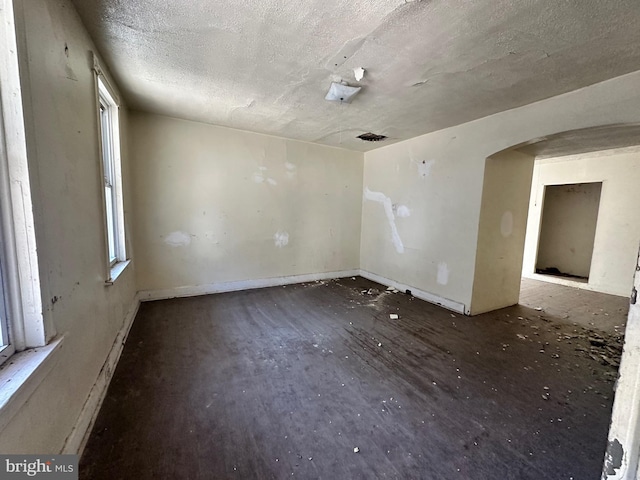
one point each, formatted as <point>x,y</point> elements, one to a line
<point>111,175</point>
<point>30,330</point>
<point>24,327</point>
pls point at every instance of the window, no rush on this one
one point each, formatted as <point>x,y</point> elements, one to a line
<point>112,180</point>
<point>21,320</point>
<point>27,334</point>
<point>6,346</point>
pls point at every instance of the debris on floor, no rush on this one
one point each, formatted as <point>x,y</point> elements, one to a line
<point>393,316</point>
<point>356,450</point>
<point>604,349</point>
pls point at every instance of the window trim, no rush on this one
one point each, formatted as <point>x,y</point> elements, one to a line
<point>27,326</point>
<point>107,112</point>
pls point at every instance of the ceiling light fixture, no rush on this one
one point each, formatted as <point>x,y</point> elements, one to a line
<point>341,92</point>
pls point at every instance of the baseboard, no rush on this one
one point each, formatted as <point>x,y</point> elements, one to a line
<point>192,291</point>
<point>421,294</point>
<point>78,437</point>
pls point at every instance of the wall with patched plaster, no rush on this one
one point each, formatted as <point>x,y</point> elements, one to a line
<point>218,205</point>
<point>617,230</point>
<point>439,177</point>
<point>65,171</point>
<point>502,229</point>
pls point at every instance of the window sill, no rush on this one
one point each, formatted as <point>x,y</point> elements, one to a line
<point>21,375</point>
<point>116,271</point>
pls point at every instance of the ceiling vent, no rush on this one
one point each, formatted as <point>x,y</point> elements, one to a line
<point>371,137</point>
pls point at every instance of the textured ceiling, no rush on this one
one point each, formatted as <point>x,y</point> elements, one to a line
<point>266,65</point>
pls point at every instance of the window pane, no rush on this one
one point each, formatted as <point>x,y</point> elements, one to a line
<point>4,337</point>
<point>114,215</point>
<point>111,234</point>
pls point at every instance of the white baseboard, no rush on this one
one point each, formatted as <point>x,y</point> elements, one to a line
<point>222,287</point>
<point>78,437</point>
<point>421,294</point>
<point>192,291</point>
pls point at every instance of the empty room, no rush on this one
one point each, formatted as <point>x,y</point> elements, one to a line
<point>271,239</point>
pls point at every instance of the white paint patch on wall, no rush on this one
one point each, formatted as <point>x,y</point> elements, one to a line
<point>506,224</point>
<point>443,273</point>
<point>258,177</point>
<point>177,239</point>
<point>380,197</point>
<point>403,211</point>
<point>261,177</point>
<point>281,239</point>
<point>424,167</point>
<point>291,170</point>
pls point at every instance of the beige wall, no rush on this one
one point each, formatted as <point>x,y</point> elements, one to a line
<point>568,227</point>
<point>439,177</point>
<point>217,205</point>
<point>62,138</point>
<point>618,229</point>
<point>503,224</point>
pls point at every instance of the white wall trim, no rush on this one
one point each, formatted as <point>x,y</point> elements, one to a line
<point>192,291</point>
<point>24,292</point>
<point>421,294</point>
<point>77,439</point>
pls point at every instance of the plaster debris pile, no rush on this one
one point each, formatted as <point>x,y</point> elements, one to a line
<point>604,349</point>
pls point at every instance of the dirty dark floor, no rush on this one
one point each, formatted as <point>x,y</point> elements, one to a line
<point>288,381</point>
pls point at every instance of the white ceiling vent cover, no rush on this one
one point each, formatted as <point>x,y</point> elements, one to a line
<point>341,93</point>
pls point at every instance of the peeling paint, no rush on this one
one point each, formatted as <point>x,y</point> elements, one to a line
<point>506,224</point>
<point>443,273</point>
<point>613,457</point>
<point>380,197</point>
<point>281,239</point>
<point>177,239</point>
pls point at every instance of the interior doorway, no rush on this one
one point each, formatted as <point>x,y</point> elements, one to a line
<point>568,229</point>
